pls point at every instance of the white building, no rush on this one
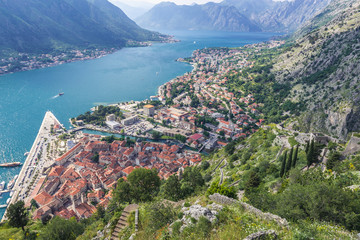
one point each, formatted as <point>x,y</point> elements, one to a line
<point>113,125</point>
<point>129,121</point>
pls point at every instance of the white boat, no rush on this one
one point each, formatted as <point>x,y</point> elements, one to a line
<point>12,182</point>
<point>2,185</point>
<point>8,200</point>
<point>11,193</point>
<point>27,153</point>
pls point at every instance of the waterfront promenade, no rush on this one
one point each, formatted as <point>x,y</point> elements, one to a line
<point>36,161</point>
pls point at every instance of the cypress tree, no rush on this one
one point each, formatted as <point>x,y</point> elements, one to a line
<point>307,147</point>
<point>288,163</point>
<point>311,154</point>
<point>295,157</point>
<point>283,164</point>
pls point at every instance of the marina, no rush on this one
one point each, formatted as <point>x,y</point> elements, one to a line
<point>27,176</point>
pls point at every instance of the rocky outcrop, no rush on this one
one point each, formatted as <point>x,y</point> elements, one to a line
<point>197,211</point>
<point>101,234</point>
<point>267,216</point>
<point>353,146</point>
<point>270,234</point>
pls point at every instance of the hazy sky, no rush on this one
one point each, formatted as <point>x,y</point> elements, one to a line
<point>175,1</point>
<point>184,1</point>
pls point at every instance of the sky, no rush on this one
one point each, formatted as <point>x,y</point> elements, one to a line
<point>184,1</point>
<point>175,1</point>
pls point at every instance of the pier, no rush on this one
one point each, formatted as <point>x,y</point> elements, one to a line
<point>4,191</point>
<point>22,182</point>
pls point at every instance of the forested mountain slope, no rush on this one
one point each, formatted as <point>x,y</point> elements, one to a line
<point>40,26</point>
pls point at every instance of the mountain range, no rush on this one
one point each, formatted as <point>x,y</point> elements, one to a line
<point>233,15</point>
<point>35,26</point>
<point>210,16</point>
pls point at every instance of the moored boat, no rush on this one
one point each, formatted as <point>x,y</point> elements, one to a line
<point>2,185</point>
<point>12,182</point>
<point>10,164</point>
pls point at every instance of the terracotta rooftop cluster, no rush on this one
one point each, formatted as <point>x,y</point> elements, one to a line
<point>77,181</point>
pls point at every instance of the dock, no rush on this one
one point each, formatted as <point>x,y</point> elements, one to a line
<point>21,183</point>
<point>4,191</point>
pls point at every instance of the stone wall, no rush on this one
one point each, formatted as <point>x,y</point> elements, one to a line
<point>247,207</point>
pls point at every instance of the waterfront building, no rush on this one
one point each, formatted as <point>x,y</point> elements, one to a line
<point>129,121</point>
<point>110,118</point>
<point>113,125</point>
<point>149,110</point>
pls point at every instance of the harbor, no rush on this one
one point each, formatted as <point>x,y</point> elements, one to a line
<point>37,160</point>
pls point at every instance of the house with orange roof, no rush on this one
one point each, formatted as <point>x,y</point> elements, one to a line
<point>69,174</point>
<point>65,213</point>
<point>69,154</point>
<point>55,172</point>
<point>43,198</point>
<point>84,210</point>
<point>128,170</point>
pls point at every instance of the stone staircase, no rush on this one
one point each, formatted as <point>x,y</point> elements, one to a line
<point>122,223</point>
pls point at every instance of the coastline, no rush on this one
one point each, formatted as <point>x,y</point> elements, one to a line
<point>18,186</point>
<point>33,62</point>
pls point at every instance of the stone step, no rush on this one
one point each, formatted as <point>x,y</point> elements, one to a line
<point>114,237</point>
<point>121,225</point>
<point>123,222</point>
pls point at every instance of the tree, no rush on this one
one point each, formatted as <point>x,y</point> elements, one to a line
<point>95,157</point>
<point>193,176</point>
<point>34,203</point>
<point>144,184</point>
<point>221,189</point>
<point>160,214</point>
<point>122,193</point>
<point>172,189</point>
<point>62,229</point>
<point>289,161</point>
<point>17,215</point>
<point>310,157</point>
<point>307,147</point>
<point>283,165</point>
<point>205,165</point>
<point>295,158</point>
<point>100,212</point>
<point>334,157</point>
<point>253,181</point>
<point>156,135</point>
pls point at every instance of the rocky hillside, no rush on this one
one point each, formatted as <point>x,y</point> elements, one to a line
<point>323,68</point>
<point>289,15</point>
<point>281,15</point>
<point>41,26</point>
<point>209,16</point>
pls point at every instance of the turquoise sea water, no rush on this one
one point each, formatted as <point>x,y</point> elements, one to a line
<point>129,74</point>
